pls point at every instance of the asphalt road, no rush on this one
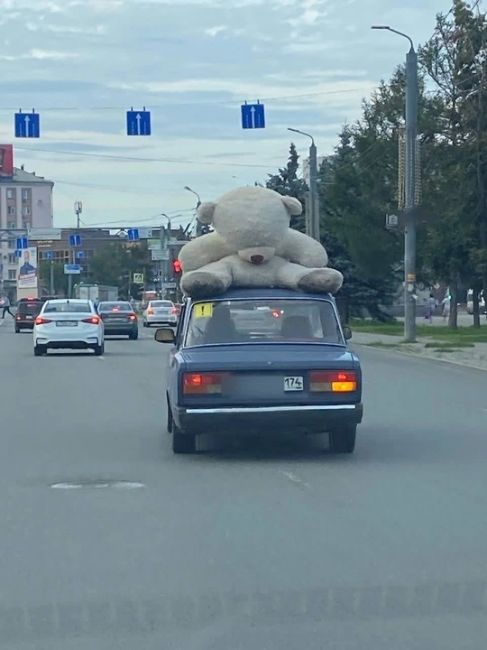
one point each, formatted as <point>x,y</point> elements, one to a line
<point>246,545</point>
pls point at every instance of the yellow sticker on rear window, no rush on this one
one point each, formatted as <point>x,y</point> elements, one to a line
<point>203,310</point>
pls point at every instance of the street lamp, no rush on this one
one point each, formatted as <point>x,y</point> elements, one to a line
<point>410,186</point>
<point>313,211</point>
<point>199,226</point>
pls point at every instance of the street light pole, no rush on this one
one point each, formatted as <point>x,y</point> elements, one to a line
<point>313,216</point>
<point>198,203</point>
<point>410,187</point>
<point>164,266</point>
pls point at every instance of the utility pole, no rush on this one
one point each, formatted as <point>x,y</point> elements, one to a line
<point>409,187</point>
<point>51,277</point>
<point>313,203</point>
<point>164,267</point>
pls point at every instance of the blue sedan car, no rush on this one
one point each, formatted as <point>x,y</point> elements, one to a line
<point>262,360</point>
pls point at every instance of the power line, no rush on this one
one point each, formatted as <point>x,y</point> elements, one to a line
<point>231,102</point>
<point>178,161</point>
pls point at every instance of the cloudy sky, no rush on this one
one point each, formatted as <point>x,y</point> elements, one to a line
<point>83,63</point>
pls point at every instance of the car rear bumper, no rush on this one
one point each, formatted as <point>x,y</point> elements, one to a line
<point>267,419</point>
<point>75,343</point>
<point>161,320</point>
<point>24,324</point>
<point>120,328</point>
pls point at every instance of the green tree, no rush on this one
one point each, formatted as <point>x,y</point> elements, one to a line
<point>287,182</point>
<point>116,263</point>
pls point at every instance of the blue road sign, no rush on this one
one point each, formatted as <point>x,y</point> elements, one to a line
<point>27,125</point>
<point>138,122</point>
<point>253,116</point>
<point>72,269</point>
<point>133,234</point>
<point>22,243</point>
<point>80,255</point>
<point>48,255</point>
<point>75,240</point>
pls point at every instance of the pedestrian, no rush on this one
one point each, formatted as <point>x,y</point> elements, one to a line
<point>446,305</point>
<point>430,308</point>
<point>5,306</point>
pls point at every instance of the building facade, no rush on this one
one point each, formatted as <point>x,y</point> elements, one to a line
<point>25,202</point>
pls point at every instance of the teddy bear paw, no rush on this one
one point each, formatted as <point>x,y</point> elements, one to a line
<point>324,280</point>
<point>200,284</point>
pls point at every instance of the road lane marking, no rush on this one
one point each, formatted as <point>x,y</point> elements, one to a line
<point>97,485</point>
<point>291,476</point>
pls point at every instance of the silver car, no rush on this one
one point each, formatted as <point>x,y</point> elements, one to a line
<point>160,312</point>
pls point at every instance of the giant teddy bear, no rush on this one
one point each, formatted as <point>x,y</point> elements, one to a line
<point>252,245</point>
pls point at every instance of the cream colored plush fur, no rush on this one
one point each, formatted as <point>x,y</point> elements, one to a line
<point>253,246</point>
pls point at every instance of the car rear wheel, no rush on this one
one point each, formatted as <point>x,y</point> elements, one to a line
<point>39,350</point>
<point>99,350</point>
<point>17,330</point>
<point>342,439</point>
<point>133,336</point>
<point>145,324</point>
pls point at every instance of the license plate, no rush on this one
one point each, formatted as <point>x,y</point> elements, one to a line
<point>66,323</point>
<point>28,317</point>
<point>293,384</point>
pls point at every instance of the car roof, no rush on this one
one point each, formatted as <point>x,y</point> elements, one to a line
<point>264,292</point>
<point>74,300</point>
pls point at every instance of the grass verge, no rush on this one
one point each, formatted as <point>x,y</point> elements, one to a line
<point>461,337</point>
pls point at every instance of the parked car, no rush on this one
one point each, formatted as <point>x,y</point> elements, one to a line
<point>470,302</point>
<point>159,312</point>
<point>262,360</point>
<point>119,318</point>
<point>27,311</point>
<point>70,324</point>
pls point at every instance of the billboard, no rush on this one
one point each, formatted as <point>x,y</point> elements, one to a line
<point>27,269</point>
<point>6,160</point>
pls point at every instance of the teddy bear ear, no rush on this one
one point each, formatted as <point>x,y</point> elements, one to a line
<point>205,212</point>
<point>293,205</point>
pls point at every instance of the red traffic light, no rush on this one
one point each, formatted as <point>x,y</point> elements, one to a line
<point>177,267</point>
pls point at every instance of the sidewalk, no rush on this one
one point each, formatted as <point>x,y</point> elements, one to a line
<point>473,357</point>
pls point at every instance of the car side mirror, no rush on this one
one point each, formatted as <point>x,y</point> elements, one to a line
<point>164,335</point>
<point>347,333</point>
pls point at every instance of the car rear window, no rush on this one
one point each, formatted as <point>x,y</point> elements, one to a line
<point>29,308</point>
<point>253,321</point>
<point>161,303</point>
<point>67,307</point>
<point>115,306</point>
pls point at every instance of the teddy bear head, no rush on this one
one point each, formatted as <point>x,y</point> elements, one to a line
<point>252,220</point>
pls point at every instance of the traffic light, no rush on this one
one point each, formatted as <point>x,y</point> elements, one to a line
<point>177,268</point>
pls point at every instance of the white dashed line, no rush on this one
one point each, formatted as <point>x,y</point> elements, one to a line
<point>295,479</point>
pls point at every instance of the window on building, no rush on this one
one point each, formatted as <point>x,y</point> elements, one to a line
<point>11,210</point>
<point>12,243</point>
<point>26,210</point>
<point>12,274</point>
<point>11,224</point>
<point>26,195</point>
<point>12,259</point>
<point>10,193</point>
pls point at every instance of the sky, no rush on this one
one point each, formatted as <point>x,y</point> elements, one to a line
<point>83,63</point>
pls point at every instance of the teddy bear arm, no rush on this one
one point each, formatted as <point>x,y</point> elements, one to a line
<point>301,249</point>
<point>202,251</point>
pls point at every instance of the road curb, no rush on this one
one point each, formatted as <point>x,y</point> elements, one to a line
<point>422,356</point>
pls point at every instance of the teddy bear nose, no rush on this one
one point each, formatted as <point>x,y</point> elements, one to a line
<point>257,259</point>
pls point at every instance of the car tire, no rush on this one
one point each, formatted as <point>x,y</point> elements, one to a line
<point>342,439</point>
<point>183,443</point>
<point>39,350</point>
<point>99,350</point>
<point>17,330</point>
<point>144,324</point>
<point>133,336</point>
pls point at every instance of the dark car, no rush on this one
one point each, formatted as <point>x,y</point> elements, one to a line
<point>262,360</point>
<point>27,311</point>
<point>119,318</point>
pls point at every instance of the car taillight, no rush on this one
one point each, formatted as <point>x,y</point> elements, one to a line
<point>132,317</point>
<point>18,317</point>
<point>174,311</point>
<point>93,320</point>
<point>42,321</point>
<point>333,381</point>
<point>202,383</point>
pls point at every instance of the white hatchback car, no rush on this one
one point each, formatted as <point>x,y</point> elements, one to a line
<point>65,323</point>
<point>160,312</point>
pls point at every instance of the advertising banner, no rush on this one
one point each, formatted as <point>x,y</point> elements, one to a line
<point>27,269</point>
